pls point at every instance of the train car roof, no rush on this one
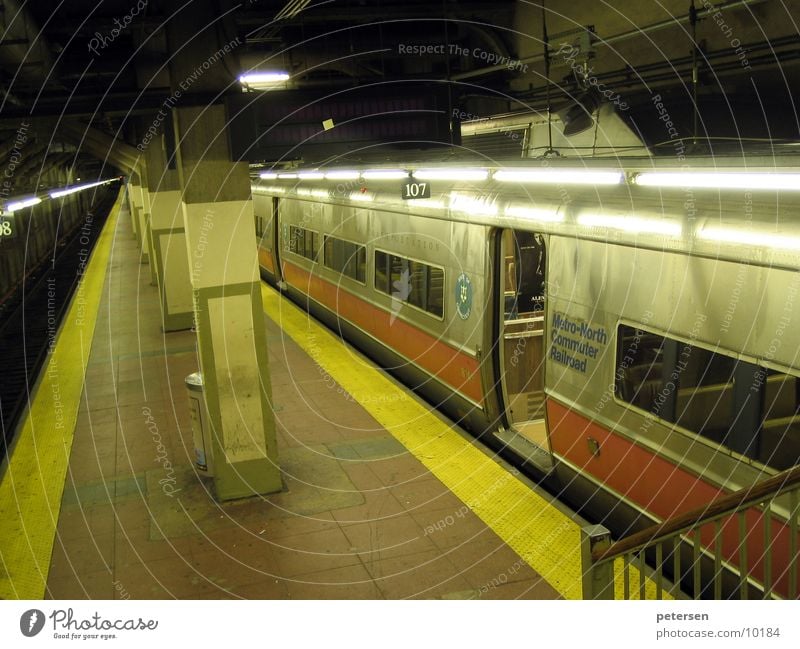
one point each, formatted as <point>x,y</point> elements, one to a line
<point>732,208</point>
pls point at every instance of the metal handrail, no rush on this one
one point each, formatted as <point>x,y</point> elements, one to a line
<point>599,553</point>
<point>728,504</point>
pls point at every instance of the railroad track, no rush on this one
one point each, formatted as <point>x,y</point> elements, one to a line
<point>30,318</point>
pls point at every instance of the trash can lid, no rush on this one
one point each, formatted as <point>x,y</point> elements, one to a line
<point>195,380</point>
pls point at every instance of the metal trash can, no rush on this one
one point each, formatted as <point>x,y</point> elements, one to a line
<point>201,433</point>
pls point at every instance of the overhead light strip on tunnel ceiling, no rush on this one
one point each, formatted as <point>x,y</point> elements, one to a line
<point>719,180</point>
<point>77,188</point>
<point>467,173</point>
<point>633,224</point>
<point>268,175</point>
<point>560,176</point>
<point>21,205</point>
<point>749,237</point>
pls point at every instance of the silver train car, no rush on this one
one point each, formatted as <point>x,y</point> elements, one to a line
<point>629,338</point>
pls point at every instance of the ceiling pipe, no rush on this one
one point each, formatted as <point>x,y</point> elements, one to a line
<point>664,24</point>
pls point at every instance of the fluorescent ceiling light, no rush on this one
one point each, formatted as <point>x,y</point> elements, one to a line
<point>720,180</point>
<point>559,176</point>
<point>451,174</point>
<point>287,176</point>
<point>533,213</point>
<point>634,224</point>
<point>341,175</point>
<point>268,175</point>
<point>266,78</point>
<point>472,205</point>
<point>311,175</point>
<point>749,237</point>
<point>21,205</point>
<point>76,188</point>
<point>384,174</point>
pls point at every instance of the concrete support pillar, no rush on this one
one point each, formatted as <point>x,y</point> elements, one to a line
<point>147,237</point>
<point>134,194</point>
<point>229,317</point>
<point>168,235</point>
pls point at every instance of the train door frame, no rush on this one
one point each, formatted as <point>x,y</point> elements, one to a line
<point>276,244</point>
<point>538,452</point>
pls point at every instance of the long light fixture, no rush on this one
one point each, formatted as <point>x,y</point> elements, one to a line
<point>559,176</point>
<point>76,188</point>
<point>21,205</point>
<point>749,237</point>
<point>287,176</point>
<point>263,79</point>
<point>533,213</point>
<point>469,173</point>
<point>268,175</point>
<point>634,224</point>
<point>719,180</point>
<point>310,175</point>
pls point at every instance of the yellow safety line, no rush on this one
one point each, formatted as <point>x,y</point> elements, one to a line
<point>539,533</point>
<point>32,487</point>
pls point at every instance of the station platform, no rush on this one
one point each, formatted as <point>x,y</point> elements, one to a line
<point>382,497</point>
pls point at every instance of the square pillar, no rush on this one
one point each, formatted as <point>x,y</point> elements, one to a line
<point>229,317</point>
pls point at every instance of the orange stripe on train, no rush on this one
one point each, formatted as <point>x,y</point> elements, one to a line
<point>449,364</point>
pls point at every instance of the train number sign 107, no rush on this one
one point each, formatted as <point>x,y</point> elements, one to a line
<point>412,189</point>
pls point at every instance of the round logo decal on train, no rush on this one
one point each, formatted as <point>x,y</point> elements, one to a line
<point>463,296</point>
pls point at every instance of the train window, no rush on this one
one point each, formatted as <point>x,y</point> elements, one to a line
<point>739,405</point>
<point>346,257</point>
<point>259,226</point>
<point>779,442</point>
<point>414,282</point>
<point>303,242</point>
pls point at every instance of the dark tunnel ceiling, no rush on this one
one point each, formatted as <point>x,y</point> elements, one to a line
<point>746,59</point>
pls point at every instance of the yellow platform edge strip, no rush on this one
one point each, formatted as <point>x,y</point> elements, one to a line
<point>541,535</point>
<point>545,538</point>
<point>32,487</point>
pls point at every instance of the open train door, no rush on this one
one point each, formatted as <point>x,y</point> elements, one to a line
<point>520,344</point>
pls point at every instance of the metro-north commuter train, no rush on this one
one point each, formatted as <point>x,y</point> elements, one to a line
<point>629,335</point>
